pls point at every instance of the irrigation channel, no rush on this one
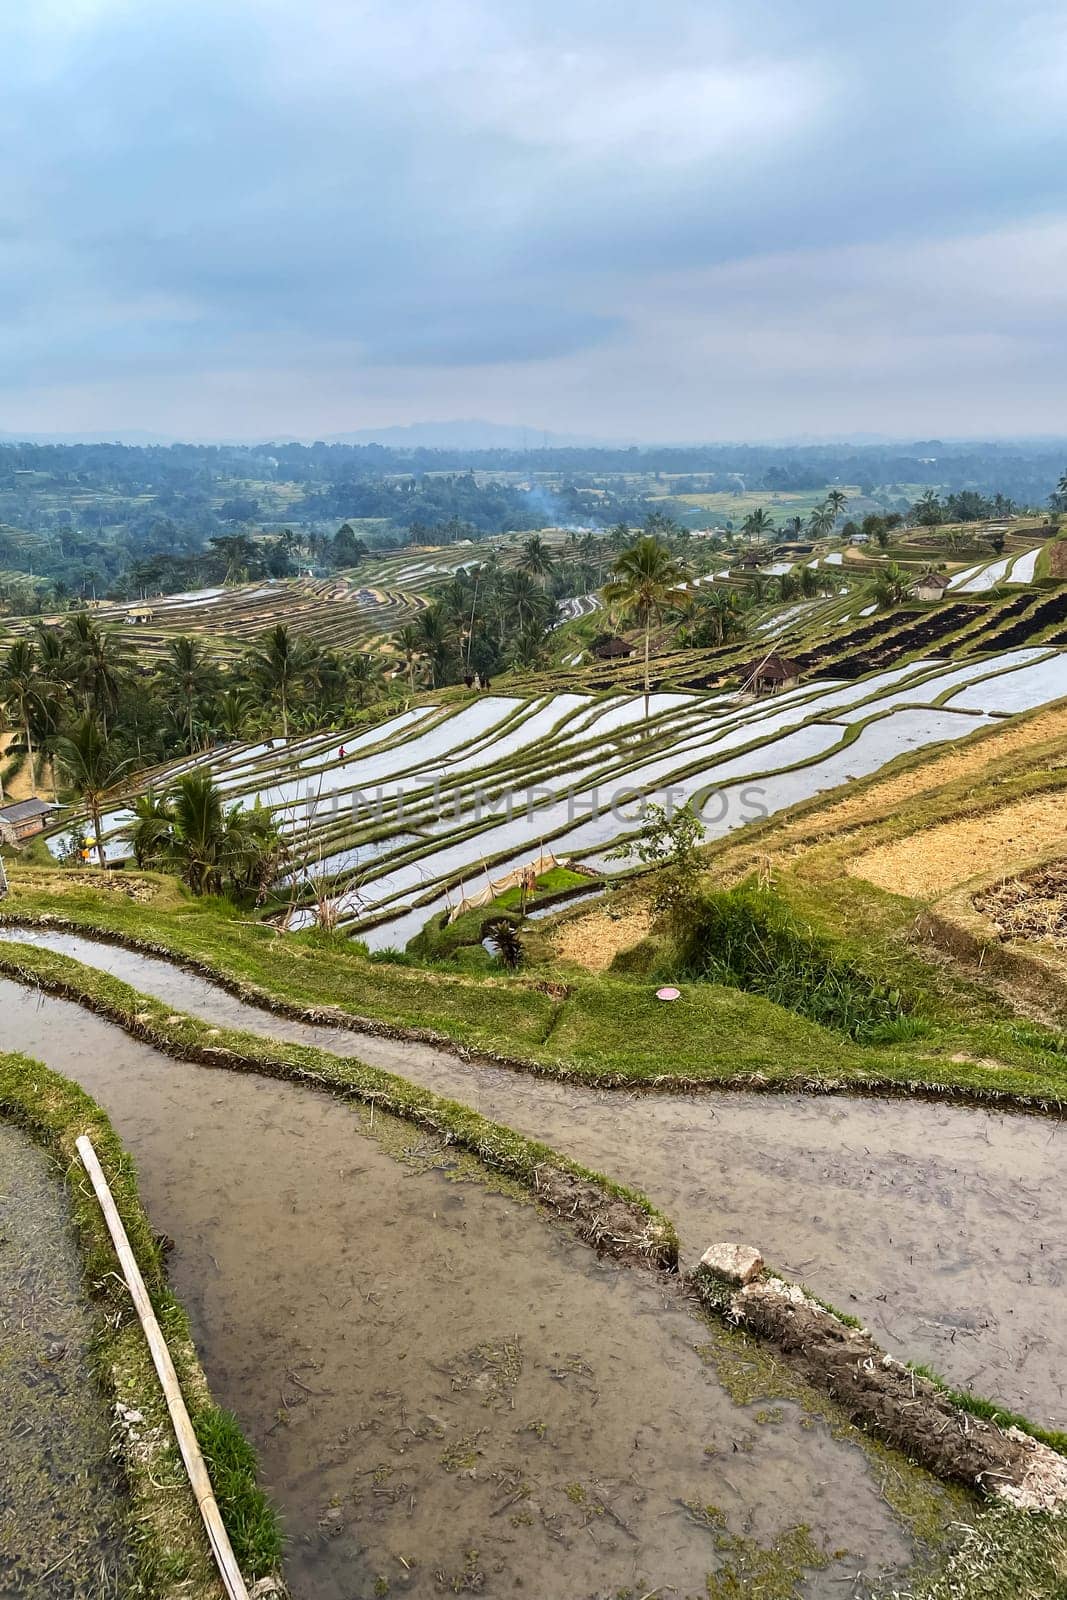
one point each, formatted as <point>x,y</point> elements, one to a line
<point>450,1394</point>
<point>943,1227</point>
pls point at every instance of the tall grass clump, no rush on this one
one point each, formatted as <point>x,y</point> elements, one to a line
<point>748,938</point>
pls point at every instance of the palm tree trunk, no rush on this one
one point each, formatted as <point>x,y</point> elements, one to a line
<point>29,747</point>
<point>285,713</point>
<point>94,811</point>
<point>648,638</point>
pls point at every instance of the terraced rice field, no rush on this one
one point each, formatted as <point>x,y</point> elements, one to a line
<point>448,1395</point>
<point>422,807</point>
<point>343,613</point>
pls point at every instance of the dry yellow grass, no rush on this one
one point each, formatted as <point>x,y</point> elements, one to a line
<point>593,941</point>
<point>882,799</point>
<point>927,863</point>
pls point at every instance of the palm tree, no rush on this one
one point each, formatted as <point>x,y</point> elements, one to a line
<point>87,758</point>
<point>209,844</point>
<point>409,643</point>
<point>232,711</point>
<point>151,831</point>
<point>20,694</point>
<point>186,674</point>
<point>238,551</point>
<point>718,613</point>
<point>527,647</point>
<point>890,586</point>
<point>96,659</point>
<point>536,558</point>
<point>364,677</point>
<point>522,601</point>
<point>836,502</point>
<point>757,523</point>
<point>277,665</point>
<point>809,582</point>
<point>821,521</point>
<point>436,641</point>
<point>646,581</point>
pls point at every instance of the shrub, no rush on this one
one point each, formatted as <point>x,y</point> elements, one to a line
<point>747,937</point>
<point>504,934</point>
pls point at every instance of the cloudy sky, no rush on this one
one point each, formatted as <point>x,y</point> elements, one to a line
<point>653,219</point>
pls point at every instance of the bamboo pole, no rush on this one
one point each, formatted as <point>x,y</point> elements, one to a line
<point>195,1466</point>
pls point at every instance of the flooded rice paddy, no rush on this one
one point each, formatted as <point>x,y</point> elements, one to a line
<point>944,1228</point>
<point>61,1502</point>
<point>449,1394</point>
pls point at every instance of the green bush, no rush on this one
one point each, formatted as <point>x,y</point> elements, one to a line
<point>748,937</point>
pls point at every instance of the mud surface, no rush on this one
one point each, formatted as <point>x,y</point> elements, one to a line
<point>944,1228</point>
<point>449,1394</point>
<point>61,1501</point>
<point>1033,906</point>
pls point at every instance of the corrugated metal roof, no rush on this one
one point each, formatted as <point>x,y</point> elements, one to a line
<point>23,810</point>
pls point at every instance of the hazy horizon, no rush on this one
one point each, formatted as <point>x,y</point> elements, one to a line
<point>761,223</point>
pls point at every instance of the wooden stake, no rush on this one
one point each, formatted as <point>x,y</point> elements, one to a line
<point>195,1466</point>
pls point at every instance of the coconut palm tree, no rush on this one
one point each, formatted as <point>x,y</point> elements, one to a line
<point>150,833</point>
<point>233,709</point>
<point>409,643</point>
<point>821,521</point>
<point>97,659</point>
<point>522,602</point>
<point>836,502</point>
<point>186,674</point>
<point>646,581</point>
<point>89,762</point>
<point>209,844</point>
<point>364,678</point>
<point>436,641</point>
<point>277,665</point>
<point>718,615</point>
<point>536,558</point>
<point>890,586</point>
<point>20,694</point>
<point>757,524</point>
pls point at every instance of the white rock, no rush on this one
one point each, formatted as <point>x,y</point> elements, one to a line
<point>737,1263</point>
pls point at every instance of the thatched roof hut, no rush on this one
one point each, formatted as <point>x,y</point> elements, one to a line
<point>770,674</point>
<point>609,647</point>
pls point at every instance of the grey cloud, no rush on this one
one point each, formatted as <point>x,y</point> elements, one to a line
<point>456,184</point>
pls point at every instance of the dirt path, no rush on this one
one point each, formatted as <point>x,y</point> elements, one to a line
<point>925,864</point>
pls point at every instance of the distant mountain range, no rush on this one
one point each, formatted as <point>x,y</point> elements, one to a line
<point>475,434</point>
<point>472,434</point>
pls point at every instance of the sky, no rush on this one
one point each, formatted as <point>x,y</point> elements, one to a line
<point>628,219</point>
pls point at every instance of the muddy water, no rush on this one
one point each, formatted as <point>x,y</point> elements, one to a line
<point>61,1505</point>
<point>448,1393</point>
<point>943,1227</point>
